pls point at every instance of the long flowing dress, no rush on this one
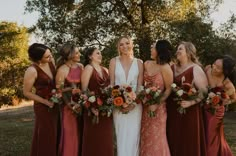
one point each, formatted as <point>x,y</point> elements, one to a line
<point>71,124</point>
<point>153,130</point>
<point>98,138</point>
<point>185,132</point>
<point>127,126</point>
<point>46,119</point>
<point>214,127</point>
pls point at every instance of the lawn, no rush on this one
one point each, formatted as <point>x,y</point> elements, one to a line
<point>16,129</point>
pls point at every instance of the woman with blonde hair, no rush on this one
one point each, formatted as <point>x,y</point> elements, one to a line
<point>185,132</point>
<point>125,69</point>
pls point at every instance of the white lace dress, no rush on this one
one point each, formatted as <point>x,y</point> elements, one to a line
<point>127,126</point>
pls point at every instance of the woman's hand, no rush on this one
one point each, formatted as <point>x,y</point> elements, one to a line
<point>49,104</point>
<point>95,111</point>
<point>152,107</point>
<point>130,107</point>
<point>186,104</point>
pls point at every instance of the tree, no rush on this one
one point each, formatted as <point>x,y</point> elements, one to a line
<point>13,57</point>
<point>100,22</point>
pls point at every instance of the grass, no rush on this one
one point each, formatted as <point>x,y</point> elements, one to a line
<point>16,128</point>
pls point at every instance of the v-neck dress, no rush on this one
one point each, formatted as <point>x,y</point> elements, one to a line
<point>98,138</point>
<point>127,126</point>
<point>46,119</point>
<point>185,132</point>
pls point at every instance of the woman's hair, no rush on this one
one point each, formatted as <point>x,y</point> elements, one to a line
<point>118,42</point>
<point>36,51</point>
<point>191,52</point>
<point>164,50</point>
<point>66,53</point>
<point>229,68</point>
<point>87,53</point>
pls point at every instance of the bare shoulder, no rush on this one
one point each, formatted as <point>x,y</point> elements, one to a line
<point>139,61</point>
<point>81,65</point>
<point>229,87</point>
<point>166,68</point>
<point>88,68</point>
<point>105,69</point>
<point>30,73</point>
<point>62,68</point>
<point>207,68</point>
<point>197,69</point>
<point>113,61</point>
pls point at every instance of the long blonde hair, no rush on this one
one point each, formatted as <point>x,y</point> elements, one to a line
<point>118,42</point>
<point>191,52</point>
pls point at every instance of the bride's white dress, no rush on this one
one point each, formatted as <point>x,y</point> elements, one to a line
<point>127,126</point>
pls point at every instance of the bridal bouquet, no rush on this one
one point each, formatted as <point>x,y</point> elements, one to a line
<point>215,98</point>
<point>119,96</point>
<point>185,92</point>
<point>56,96</point>
<point>150,96</point>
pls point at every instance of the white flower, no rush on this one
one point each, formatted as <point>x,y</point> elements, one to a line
<point>156,94</point>
<point>211,95</point>
<point>173,85</point>
<point>92,99</point>
<point>148,90</point>
<point>54,91</point>
<point>180,92</point>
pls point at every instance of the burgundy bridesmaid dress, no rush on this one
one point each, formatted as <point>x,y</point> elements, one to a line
<point>98,138</point>
<point>45,129</point>
<point>185,132</point>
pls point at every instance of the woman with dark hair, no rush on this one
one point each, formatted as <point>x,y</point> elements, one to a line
<point>185,132</point>
<point>97,138</point>
<point>221,77</point>
<point>40,75</point>
<point>157,73</point>
<point>125,69</point>
<point>69,76</point>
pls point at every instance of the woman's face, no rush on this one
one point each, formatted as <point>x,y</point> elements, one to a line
<point>96,56</point>
<point>153,51</point>
<point>125,46</point>
<point>47,57</point>
<point>76,55</point>
<point>181,52</point>
<point>217,67</point>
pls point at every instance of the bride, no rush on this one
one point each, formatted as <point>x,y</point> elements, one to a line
<point>125,69</point>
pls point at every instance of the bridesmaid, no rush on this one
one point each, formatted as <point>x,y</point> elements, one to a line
<point>157,73</point>
<point>68,74</point>
<point>126,69</point>
<point>97,138</point>
<point>40,75</point>
<point>221,75</point>
<point>185,132</point>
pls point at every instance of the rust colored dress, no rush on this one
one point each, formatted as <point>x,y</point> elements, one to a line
<point>45,129</point>
<point>185,132</point>
<point>153,130</point>
<point>71,124</point>
<point>214,127</point>
<point>98,138</point>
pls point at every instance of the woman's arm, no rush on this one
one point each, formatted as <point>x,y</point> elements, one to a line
<point>140,75</point>
<point>167,75</point>
<point>85,77</point>
<point>112,71</point>
<point>29,80</point>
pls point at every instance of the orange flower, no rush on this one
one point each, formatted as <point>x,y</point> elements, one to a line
<point>224,95</point>
<point>74,91</point>
<point>115,92</point>
<point>215,100</point>
<point>99,101</point>
<point>118,101</point>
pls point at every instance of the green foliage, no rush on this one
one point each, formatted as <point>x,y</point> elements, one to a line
<point>13,57</point>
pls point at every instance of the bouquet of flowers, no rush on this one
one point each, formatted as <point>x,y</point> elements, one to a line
<point>185,92</point>
<point>150,96</point>
<point>92,103</point>
<point>119,96</point>
<point>77,100</point>
<point>215,98</point>
<point>56,96</point>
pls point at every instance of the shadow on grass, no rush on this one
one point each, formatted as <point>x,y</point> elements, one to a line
<point>16,130</point>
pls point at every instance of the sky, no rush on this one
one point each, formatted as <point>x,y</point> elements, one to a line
<point>13,10</point>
